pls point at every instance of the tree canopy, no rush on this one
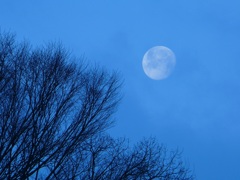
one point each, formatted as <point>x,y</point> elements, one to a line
<point>54,113</point>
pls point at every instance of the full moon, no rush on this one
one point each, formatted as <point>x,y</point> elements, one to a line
<point>158,62</point>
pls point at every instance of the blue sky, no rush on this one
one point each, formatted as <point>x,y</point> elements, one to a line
<point>196,109</point>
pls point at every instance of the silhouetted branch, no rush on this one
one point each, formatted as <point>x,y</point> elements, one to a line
<point>53,115</point>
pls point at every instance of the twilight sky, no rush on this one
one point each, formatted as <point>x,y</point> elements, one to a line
<point>196,109</point>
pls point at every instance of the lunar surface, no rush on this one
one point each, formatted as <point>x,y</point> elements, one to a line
<point>158,62</point>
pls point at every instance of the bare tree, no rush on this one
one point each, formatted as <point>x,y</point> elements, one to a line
<point>53,113</point>
<point>106,158</point>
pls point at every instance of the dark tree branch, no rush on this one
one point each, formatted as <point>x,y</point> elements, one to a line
<point>53,115</point>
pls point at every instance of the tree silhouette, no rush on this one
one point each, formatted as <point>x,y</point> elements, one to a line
<point>53,117</point>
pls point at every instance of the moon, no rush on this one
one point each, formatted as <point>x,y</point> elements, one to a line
<point>158,62</point>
